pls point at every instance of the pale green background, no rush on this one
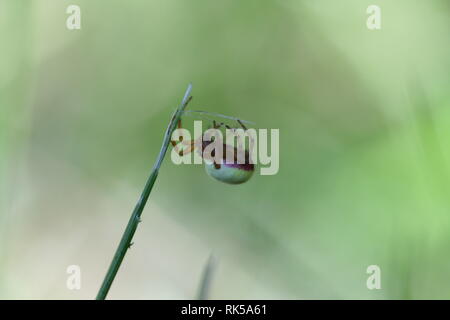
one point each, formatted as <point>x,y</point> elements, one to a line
<point>364,124</point>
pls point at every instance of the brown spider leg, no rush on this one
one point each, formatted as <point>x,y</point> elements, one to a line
<point>179,127</point>
<point>250,143</point>
<point>216,165</point>
<point>215,126</point>
<point>219,125</point>
<point>186,151</point>
<point>189,149</point>
<point>173,142</point>
<point>223,125</point>
<point>242,125</point>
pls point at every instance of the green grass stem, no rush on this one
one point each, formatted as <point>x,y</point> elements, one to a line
<point>125,242</point>
<point>207,275</point>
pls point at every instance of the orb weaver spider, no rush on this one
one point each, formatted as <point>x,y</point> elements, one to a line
<point>231,172</point>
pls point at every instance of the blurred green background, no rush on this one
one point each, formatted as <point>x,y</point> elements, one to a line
<point>364,124</point>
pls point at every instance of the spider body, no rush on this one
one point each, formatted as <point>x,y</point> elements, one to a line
<point>231,172</point>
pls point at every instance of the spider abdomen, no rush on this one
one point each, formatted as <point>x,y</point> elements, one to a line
<point>233,173</point>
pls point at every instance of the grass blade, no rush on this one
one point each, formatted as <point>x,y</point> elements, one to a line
<point>135,218</point>
<point>205,284</point>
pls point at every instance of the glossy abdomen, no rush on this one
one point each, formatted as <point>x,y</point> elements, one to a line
<point>230,173</point>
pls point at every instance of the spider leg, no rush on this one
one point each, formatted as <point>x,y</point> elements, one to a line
<point>186,151</point>
<point>217,125</point>
<point>242,125</point>
<point>179,127</point>
<point>189,149</point>
<point>173,142</point>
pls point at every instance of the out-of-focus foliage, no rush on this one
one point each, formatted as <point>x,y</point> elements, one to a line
<point>364,153</point>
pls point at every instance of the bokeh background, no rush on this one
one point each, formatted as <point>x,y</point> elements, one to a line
<point>364,124</point>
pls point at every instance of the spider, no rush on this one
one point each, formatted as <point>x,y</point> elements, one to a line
<point>223,170</point>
